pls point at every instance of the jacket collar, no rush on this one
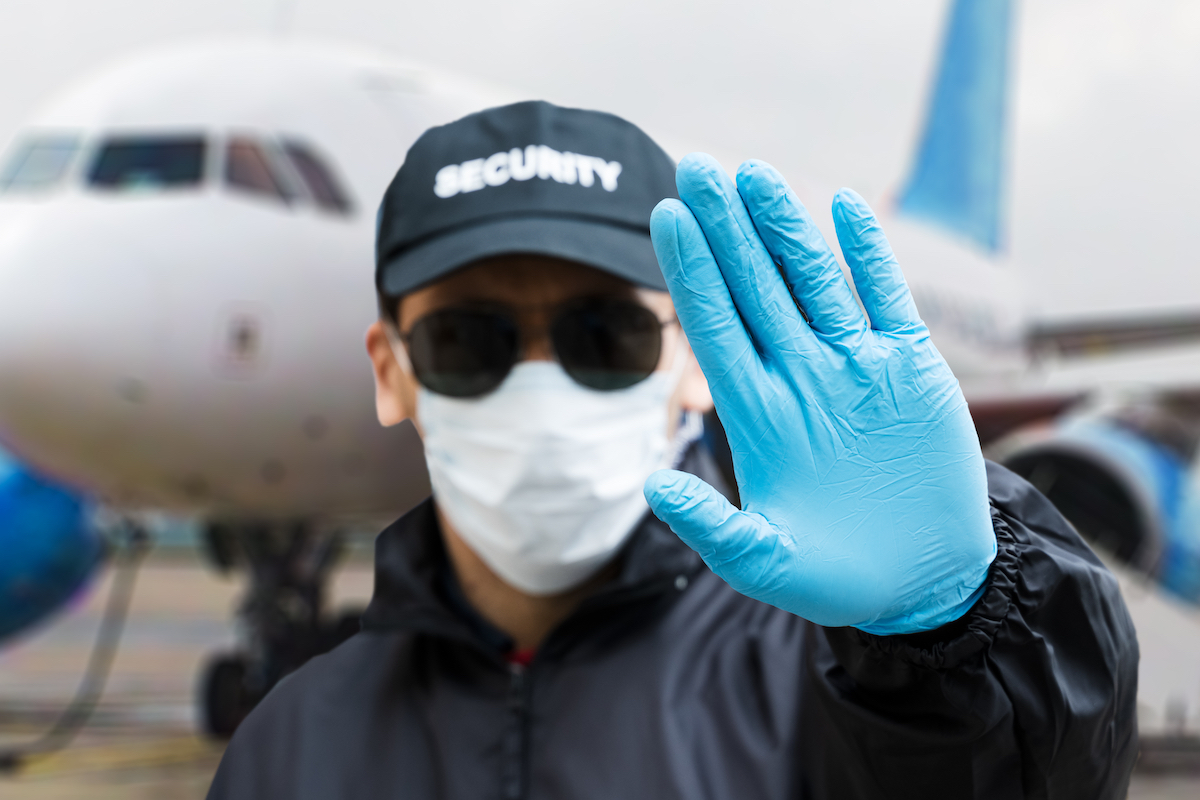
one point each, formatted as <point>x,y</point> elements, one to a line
<point>415,588</point>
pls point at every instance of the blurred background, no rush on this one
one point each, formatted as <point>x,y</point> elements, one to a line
<point>1099,201</point>
<point>1104,112</point>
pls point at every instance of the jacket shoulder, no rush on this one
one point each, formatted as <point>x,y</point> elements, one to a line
<point>316,717</point>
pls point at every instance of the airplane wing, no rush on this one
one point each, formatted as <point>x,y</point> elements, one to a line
<point>1098,337</point>
<point>1074,360</point>
<point>1132,365</point>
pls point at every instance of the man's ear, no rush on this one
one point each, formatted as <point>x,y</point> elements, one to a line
<point>693,393</point>
<point>395,395</point>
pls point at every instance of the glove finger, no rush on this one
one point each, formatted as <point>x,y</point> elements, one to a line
<point>758,290</point>
<point>877,275</point>
<point>706,312</point>
<point>741,548</point>
<point>809,266</point>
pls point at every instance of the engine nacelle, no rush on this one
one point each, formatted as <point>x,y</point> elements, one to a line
<point>48,547</point>
<point>1126,481</point>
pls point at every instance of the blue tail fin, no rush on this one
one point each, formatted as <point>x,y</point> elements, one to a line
<point>958,180</point>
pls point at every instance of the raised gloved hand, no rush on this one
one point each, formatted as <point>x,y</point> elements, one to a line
<point>863,487</point>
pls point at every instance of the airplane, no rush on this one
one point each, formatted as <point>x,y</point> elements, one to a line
<point>185,280</point>
<point>185,261</point>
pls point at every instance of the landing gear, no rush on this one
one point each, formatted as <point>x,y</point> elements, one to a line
<point>225,700</point>
<point>281,614</point>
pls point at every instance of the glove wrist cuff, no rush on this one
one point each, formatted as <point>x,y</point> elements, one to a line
<point>937,606</point>
<point>970,633</point>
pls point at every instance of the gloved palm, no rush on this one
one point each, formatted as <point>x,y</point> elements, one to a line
<point>863,487</point>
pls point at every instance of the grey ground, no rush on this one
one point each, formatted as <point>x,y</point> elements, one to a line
<point>142,743</point>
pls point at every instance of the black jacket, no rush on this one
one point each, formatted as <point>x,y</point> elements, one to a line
<point>668,684</point>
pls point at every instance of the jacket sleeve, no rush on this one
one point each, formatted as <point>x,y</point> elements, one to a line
<point>1031,694</point>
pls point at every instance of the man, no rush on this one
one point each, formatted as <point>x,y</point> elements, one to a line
<point>885,617</point>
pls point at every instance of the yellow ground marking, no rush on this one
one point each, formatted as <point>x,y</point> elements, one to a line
<point>134,755</point>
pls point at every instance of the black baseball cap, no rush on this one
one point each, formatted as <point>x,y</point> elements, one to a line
<point>524,178</point>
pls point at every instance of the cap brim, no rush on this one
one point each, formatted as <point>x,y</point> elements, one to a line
<point>624,252</point>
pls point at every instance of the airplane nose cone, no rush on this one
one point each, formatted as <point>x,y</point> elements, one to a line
<point>193,351</point>
<point>66,319</point>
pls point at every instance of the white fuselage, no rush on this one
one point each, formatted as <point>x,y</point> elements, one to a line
<point>974,307</point>
<point>200,346</point>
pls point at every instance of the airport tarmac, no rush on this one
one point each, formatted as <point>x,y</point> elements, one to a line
<point>142,742</point>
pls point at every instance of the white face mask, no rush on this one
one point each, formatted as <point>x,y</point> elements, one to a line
<point>543,477</point>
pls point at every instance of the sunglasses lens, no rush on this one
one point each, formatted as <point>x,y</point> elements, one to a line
<point>608,344</point>
<point>462,353</point>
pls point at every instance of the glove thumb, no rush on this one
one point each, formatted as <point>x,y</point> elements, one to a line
<point>705,521</point>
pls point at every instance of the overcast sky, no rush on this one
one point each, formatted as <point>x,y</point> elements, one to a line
<point>1107,114</point>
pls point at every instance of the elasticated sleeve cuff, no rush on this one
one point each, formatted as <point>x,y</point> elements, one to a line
<point>949,645</point>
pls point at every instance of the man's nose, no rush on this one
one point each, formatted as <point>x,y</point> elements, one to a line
<point>534,326</point>
<point>537,348</point>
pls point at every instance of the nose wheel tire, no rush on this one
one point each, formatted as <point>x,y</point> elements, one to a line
<point>224,697</point>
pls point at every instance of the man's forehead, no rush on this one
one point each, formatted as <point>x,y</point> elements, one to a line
<point>521,279</point>
<point>536,274</point>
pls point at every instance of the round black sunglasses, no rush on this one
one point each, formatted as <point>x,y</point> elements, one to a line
<point>603,343</point>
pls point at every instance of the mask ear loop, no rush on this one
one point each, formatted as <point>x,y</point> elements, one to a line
<point>399,350</point>
<point>691,423</point>
<point>679,362</point>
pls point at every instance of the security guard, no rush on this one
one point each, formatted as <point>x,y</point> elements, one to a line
<point>885,616</point>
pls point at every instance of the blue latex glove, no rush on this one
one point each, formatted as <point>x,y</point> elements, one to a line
<point>859,469</point>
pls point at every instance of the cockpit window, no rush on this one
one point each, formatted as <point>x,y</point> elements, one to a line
<point>38,164</point>
<point>160,162</point>
<point>326,192</point>
<point>248,168</point>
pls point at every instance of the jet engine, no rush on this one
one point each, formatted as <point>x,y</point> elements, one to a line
<point>1125,476</point>
<point>48,548</point>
